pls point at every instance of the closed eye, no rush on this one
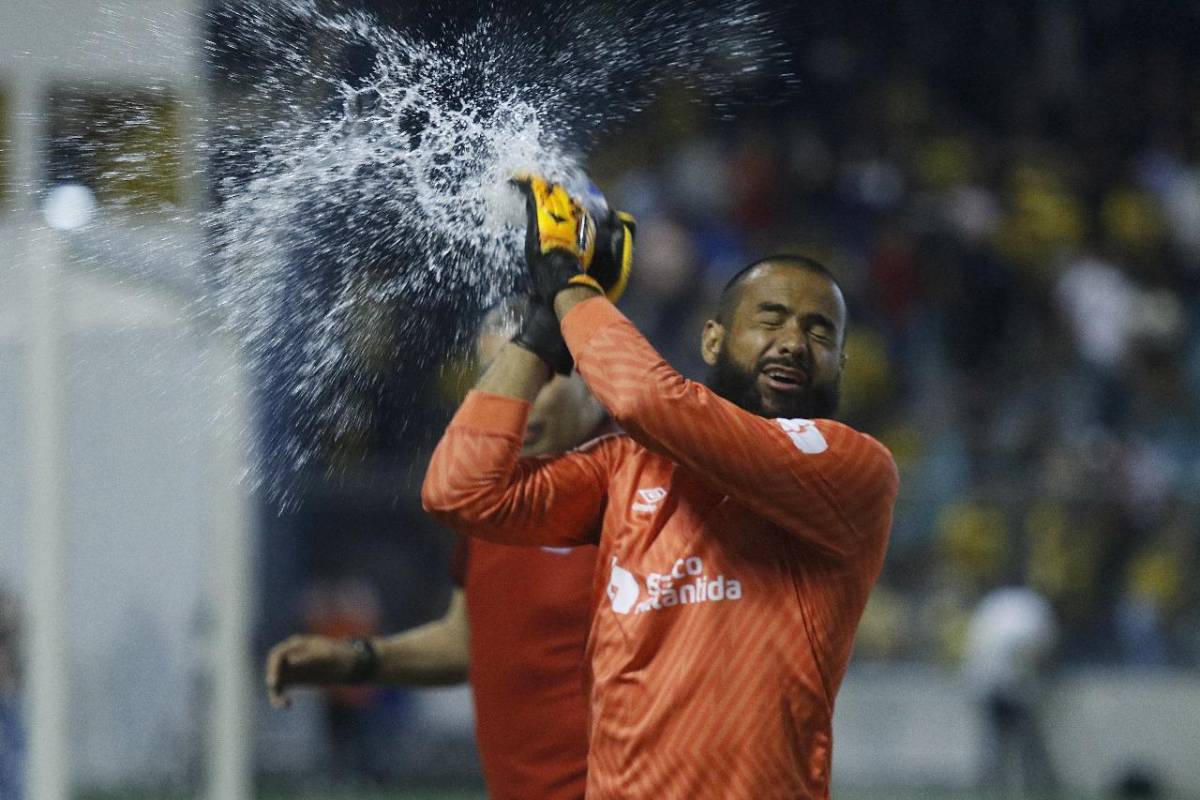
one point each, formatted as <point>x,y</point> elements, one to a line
<point>821,328</point>
<point>821,334</point>
<point>771,315</point>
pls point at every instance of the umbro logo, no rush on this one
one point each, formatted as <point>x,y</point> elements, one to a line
<point>650,498</point>
<point>654,495</point>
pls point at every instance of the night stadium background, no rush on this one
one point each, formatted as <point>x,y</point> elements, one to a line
<point>1008,191</point>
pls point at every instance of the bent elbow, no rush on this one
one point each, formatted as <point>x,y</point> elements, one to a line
<point>440,498</point>
<point>433,495</point>
<point>462,506</point>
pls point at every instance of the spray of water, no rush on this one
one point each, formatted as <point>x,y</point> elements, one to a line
<point>389,196</point>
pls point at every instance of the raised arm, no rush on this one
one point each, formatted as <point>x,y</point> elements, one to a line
<point>478,484</point>
<point>822,480</point>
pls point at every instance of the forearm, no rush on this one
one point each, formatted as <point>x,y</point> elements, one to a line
<point>623,371</point>
<point>515,372</point>
<point>425,656</point>
<point>436,654</point>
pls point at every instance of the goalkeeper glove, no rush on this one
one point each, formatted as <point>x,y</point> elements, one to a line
<point>560,228</point>
<point>564,247</point>
<point>560,238</point>
<point>614,253</point>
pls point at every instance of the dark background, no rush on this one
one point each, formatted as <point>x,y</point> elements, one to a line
<point>1009,192</point>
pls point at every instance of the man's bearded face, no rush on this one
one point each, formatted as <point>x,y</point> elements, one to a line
<point>779,352</point>
<point>740,385</point>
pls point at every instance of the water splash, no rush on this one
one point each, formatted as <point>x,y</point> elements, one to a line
<point>389,195</point>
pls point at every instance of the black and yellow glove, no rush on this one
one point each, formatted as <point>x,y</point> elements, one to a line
<point>563,247</point>
<point>558,224</point>
<point>560,238</point>
<point>613,260</point>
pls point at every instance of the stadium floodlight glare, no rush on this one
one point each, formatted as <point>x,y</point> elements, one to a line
<point>69,206</point>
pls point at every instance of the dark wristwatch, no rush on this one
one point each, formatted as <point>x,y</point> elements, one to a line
<point>366,661</point>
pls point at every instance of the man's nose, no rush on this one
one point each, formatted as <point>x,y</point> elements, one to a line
<point>791,340</point>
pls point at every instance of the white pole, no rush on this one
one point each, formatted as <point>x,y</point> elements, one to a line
<point>49,769</point>
<point>48,689</point>
<point>48,764</point>
<point>230,775</point>
<point>230,743</point>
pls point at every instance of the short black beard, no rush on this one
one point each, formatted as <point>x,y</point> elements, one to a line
<point>816,401</point>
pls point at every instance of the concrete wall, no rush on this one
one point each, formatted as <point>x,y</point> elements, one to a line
<point>916,726</point>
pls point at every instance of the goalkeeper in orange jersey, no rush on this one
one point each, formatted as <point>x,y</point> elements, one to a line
<point>739,529</point>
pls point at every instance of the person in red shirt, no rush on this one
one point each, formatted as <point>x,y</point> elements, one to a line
<point>740,529</point>
<point>515,629</point>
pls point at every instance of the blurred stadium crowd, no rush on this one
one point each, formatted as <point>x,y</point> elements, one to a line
<point>1017,225</point>
<point>1018,228</point>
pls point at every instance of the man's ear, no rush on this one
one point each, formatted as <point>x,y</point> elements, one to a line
<point>711,341</point>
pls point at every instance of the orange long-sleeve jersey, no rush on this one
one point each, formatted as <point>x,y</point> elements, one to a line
<point>735,558</point>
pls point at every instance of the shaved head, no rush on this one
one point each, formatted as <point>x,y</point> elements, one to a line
<point>776,345</point>
<point>733,288</point>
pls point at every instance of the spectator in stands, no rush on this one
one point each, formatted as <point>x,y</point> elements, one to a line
<point>1010,642</point>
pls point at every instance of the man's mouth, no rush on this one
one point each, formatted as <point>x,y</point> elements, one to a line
<point>785,380</point>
